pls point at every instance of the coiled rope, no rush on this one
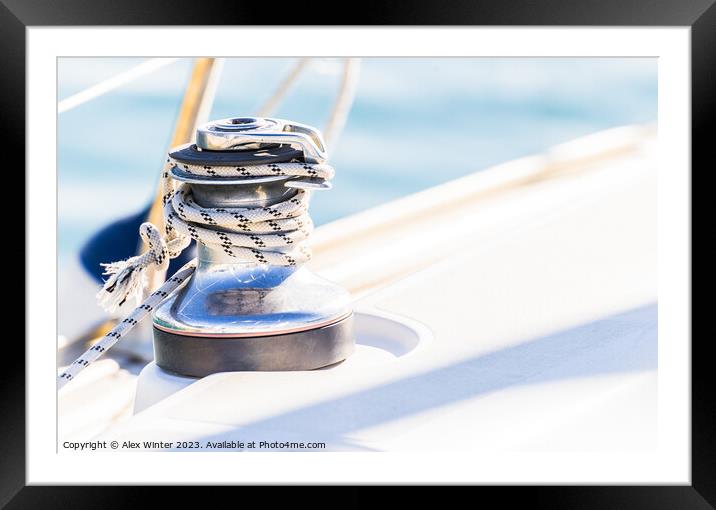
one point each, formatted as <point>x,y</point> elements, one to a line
<point>273,235</point>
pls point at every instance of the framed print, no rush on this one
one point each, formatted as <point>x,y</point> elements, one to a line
<point>457,252</point>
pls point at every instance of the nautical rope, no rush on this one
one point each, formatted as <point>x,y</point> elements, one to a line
<point>273,235</point>
<point>128,323</point>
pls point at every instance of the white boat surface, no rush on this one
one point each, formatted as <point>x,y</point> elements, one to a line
<point>532,291</point>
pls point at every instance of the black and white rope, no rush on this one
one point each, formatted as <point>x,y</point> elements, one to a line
<point>121,329</point>
<point>273,235</point>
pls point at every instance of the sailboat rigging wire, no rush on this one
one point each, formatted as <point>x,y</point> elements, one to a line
<point>270,105</point>
<point>273,234</point>
<point>344,101</point>
<point>116,81</point>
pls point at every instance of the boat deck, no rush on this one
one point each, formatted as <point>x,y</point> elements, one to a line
<point>536,287</point>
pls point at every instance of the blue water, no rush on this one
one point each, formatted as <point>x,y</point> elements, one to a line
<point>415,123</point>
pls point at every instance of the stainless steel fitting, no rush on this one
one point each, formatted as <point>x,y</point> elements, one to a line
<point>250,132</point>
<point>234,315</point>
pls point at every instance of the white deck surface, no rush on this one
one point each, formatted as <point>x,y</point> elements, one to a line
<point>543,313</point>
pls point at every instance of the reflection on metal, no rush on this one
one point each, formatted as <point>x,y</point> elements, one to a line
<point>238,315</point>
<point>252,132</point>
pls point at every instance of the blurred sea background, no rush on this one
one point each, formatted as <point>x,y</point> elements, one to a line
<point>415,123</point>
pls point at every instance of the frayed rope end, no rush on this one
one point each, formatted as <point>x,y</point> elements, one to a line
<point>127,283</point>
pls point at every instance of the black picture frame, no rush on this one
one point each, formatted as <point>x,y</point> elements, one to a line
<point>700,15</point>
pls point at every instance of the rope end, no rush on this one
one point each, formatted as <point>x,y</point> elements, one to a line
<point>126,283</point>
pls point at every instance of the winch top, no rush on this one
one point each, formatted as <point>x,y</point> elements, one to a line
<point>241,133</point>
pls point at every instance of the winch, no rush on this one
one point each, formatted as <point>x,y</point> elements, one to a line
<point>235,314</point>
<point>246,302</point>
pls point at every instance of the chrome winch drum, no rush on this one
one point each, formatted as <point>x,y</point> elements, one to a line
<point>234,315</point>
